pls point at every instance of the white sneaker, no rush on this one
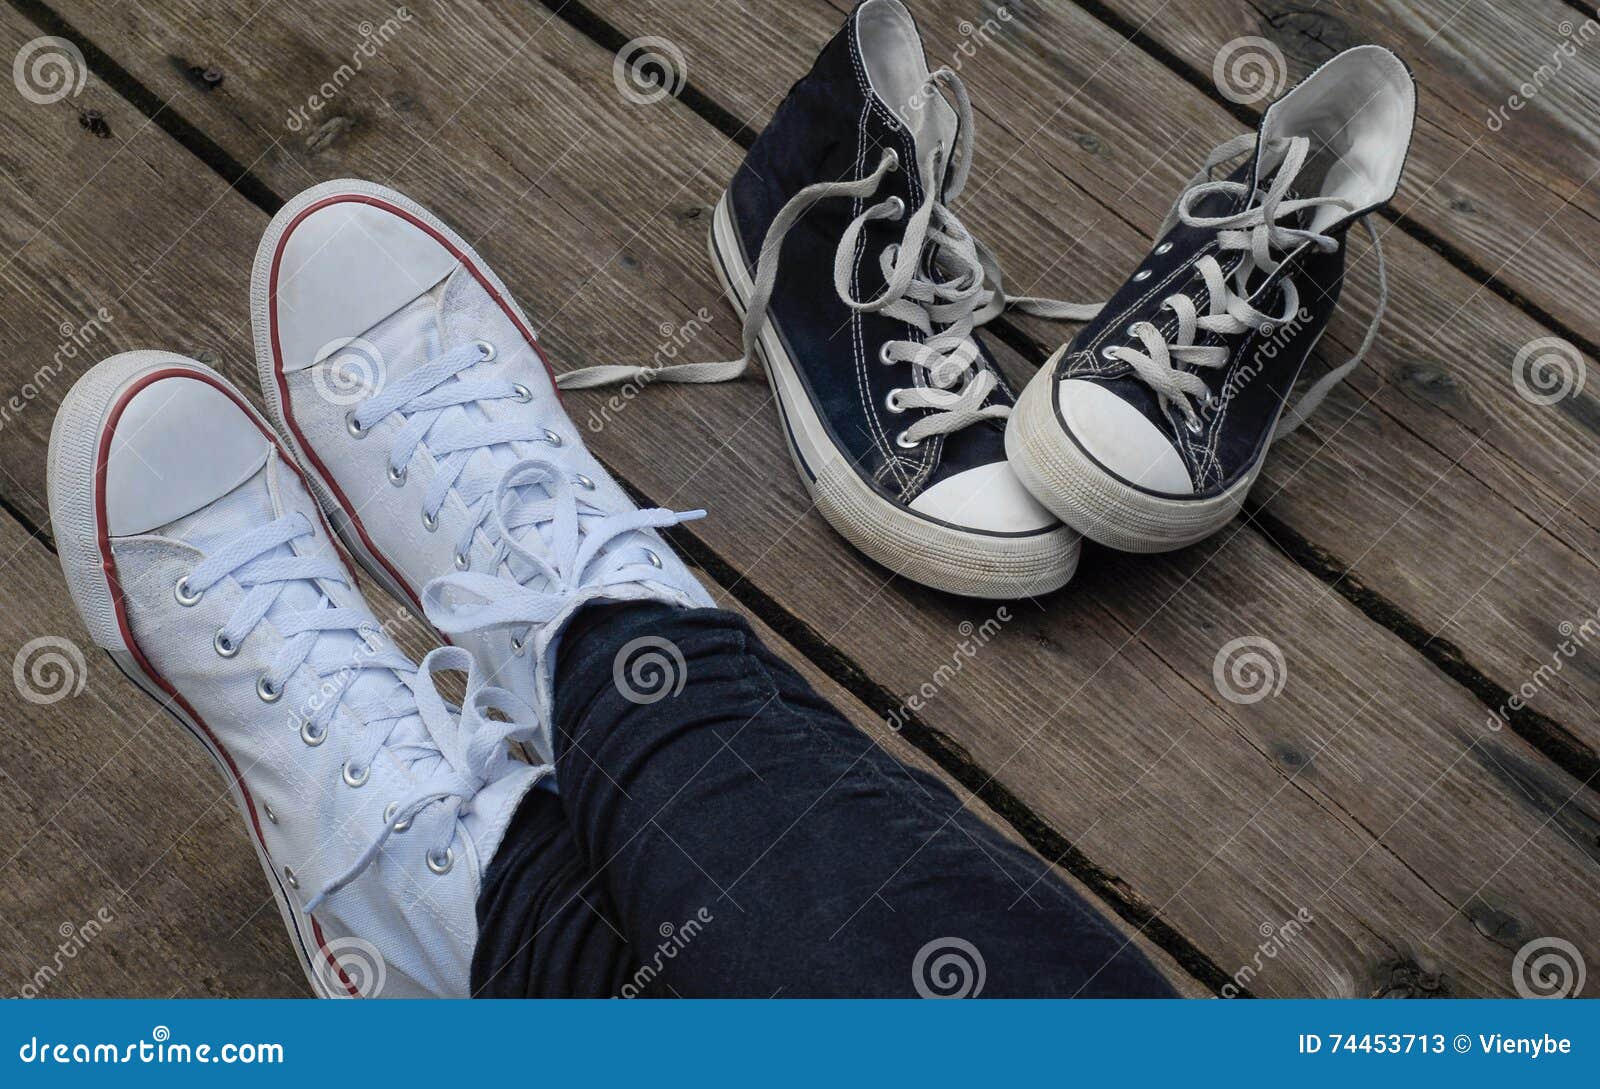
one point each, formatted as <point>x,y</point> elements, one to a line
<point>412,387</point>
<point>200,563</point>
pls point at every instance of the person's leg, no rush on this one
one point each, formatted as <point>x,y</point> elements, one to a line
<point>545,927</point>
<point>751,841</point>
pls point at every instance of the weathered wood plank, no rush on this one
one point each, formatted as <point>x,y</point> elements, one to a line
<point>1078,709</point>
<point>1074,172</point>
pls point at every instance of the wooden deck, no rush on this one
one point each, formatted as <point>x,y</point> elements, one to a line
<point>1417,554</point>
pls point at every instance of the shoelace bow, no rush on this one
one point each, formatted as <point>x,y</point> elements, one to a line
<point>558,547</point>
<point>939,279</point>
<point>517,507</point>
<point>453,757</point>
<point>473,748</point>
<point>1260,234</point>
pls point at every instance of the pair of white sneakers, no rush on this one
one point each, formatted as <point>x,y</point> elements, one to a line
<point>415,419</point>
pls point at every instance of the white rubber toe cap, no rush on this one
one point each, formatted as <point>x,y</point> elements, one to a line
<point>347,264</point>
<point>1119,437</point>
<point>180,445</point>
<point>989,499</point>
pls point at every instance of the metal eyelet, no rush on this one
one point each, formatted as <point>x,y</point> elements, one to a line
<point>524,394</point>
<point>892,402</point>
<point>1133,330</point>
<point>388,816</point>
<point>1142,274</point>
<point>583,482</point>
<point>1165,247</point>
<point>463,561</point>
<point>1109,353</point>
<point>1195,426</point>
<point>181,592</point>
<point>441,866</point>
<point>397,477</point>
<point>354,779</point>
<point>224,647</point>
<point>883,354</point>
<point>266,810</point>
<point>899,208</point>
<point>288,875</point>
<point>904,443</point>
<point>655,561</point>
<point>485,349</point>
<point>265,690</point>
<point>350,425</point>
<point>892,158</point>
<point>311,737</point>
<point>429,522</point>
<point>551,437</point>
<point>517,646</point>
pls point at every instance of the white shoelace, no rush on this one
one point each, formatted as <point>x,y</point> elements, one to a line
<point>461,377</point>
<point>575,557</point>
<point>1260,234</point>
<point>940,280</point>
<point>452,757</point>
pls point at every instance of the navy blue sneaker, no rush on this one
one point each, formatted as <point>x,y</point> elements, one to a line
<point>862,292</point>
<point>1149,429</point>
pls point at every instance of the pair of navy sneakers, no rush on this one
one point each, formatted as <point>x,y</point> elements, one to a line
<point>862,293</point>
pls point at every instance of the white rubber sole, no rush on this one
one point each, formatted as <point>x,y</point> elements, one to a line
<point>1076,489</point>
<point>75,440</point>
<point>925,551</point>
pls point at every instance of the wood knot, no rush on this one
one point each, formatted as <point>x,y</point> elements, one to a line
<point>1434,383</point>
<point>1497,925</point>
<point>327,133</point>
<point>1309,37</point>
<point>96,123</point>
<point>1289,756</point>
<point>1405,978</point>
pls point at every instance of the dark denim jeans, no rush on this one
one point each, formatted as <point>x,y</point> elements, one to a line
<point>741,838</point>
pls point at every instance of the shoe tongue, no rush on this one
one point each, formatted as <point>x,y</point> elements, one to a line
<point>405,340</point>
<point>250,505</point>
<point>897,71</point>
